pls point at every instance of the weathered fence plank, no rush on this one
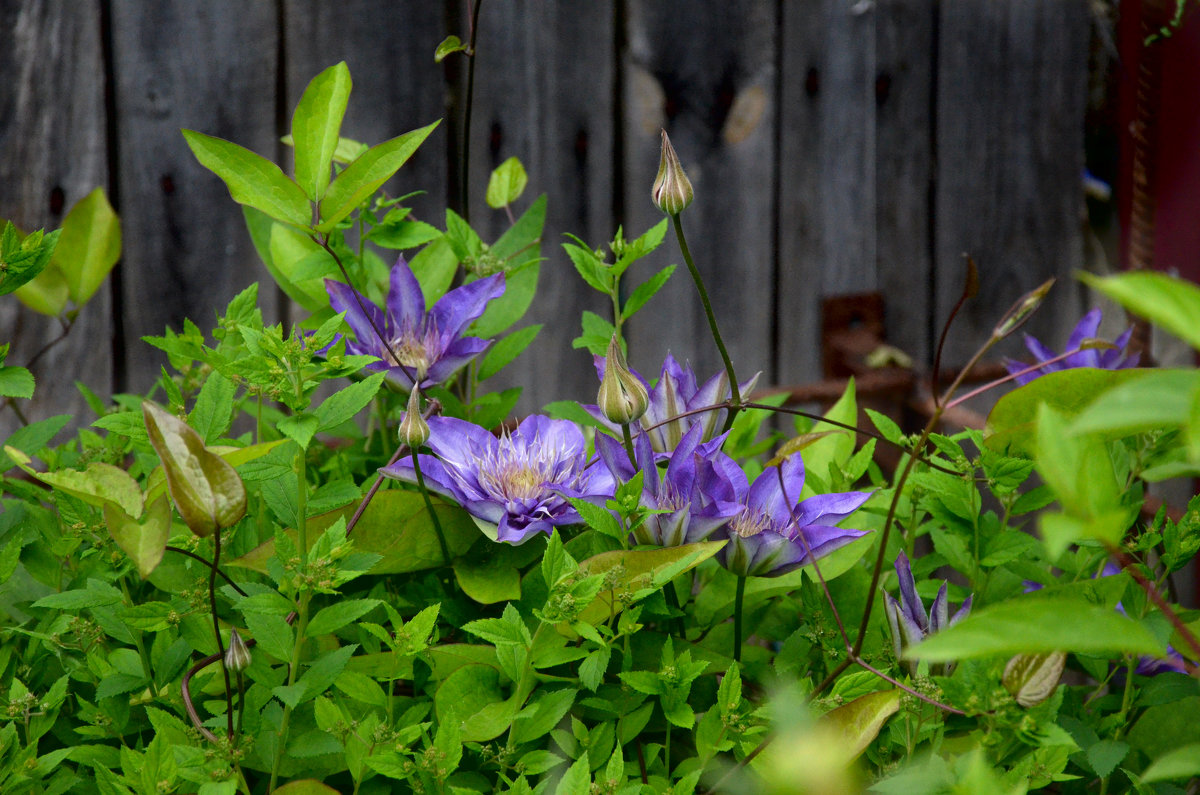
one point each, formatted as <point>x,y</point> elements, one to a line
<point>1011,96</point>
<point>52,154</point>
<point>544,91</point>
<point>205,66</point>
<point>706,73</point>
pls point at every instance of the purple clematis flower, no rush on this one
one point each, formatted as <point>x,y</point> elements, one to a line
<point>1115,359</point>
<point>514,485</point>
<point>767,537</point>
<point>908,619</point>
<point>428,347</point>
<point>675,393</point>
<point>683,491</point>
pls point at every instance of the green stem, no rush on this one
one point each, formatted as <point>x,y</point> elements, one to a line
<point>738,599</point>
<point>466,148</point>
<point>629,444</point>
<point>437,526</point>
<point>736,403</point>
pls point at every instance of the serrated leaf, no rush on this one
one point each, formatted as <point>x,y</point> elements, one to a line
<point>344,404</point>
<point>252,179</point>
<point>274,635</point>
<point>16,382</point>
<point>300,428</point>
<point>338,615</point>
<point>213,412</point>
<point>645,291</point>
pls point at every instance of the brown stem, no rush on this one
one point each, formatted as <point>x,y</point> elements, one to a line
<point>209,564</point>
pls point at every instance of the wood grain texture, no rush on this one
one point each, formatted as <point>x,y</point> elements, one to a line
<point>52,154</point>
<point>544,91</point>
<point>1011,96</point>
<point>706,72</point>
<point>205,66</point>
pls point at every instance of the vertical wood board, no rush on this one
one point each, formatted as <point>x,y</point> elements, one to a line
<point>210,67</point>
<point>544,92</point>
<point>706,72</point>
<point>1011,97</point>
<point>52,154</point>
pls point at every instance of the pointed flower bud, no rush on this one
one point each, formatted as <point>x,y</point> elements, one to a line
<point>414,431</point>
<point>237,656</point>
<point>1033,678</point>
<point>623,397</point>
<point>672,191</point>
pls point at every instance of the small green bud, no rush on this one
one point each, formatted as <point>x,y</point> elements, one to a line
<point>1021,311</point>
<point>414,431</point>
<point>237,656</point>
<point>1032,678</point>
<point>622,397</point>
<point>672,191</point>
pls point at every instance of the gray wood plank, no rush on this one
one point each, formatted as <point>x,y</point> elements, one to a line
<point>545,84</point>
<point>706,72</point>
<point>827,200</point>
<point>52,154</point>
<point>1011,96</point>
<point>205,66</point>
<point>397,86</point>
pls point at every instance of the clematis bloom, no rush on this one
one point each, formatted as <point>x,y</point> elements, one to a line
<point>422,347</point>
<point>766,537</point>
<point>1114,359</point>
<point>683,491</point>
<point>676,393</point>
<point>515,485</point>
<point>907,618</point>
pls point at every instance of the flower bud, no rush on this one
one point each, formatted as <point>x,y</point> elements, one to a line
<point>672,191</point>
<point>622,397</point>
<point>1032,678</point>
<point>237,656</point>
<point>414,431</point>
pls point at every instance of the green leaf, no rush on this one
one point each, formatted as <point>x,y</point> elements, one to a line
<point>645,291</point>
<point>396,526</point>
<point>859,722</point>
<point>97,594</point>
<point>338,615</point>
<point>89,246</point>
<point>366,174</point>
<point>46,293</point>
<point>143,541</point>
<point>1105,755</point>
<point>315,127</point>
<point>837,447</point>
<point>278,247</point>
<point>213,412</point>
<point>547,712</point>
<point>1033,624</point>
<point>306,786</point>
<point>577,778</point>
<point>16,382</point>
<point>521,243</point>
<point>345,403</point>
<point>1012,423</point>
<point>1158,399</point>
<point>274,635</point>
<point>641,572</point>
<point>1166,301</point>
<point>98,485</point>
<point>1180,763</point>
<point>252,179</point>
<point>505,350</point>
<point>321,675</point>
<point>488,583</point>
<point>206,489</point>
<point>450,44</point>
<point>506,184</point>
<point>24,257</point>
<point>300,428</point>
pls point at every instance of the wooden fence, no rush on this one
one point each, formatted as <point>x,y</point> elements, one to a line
<point>836,146</point>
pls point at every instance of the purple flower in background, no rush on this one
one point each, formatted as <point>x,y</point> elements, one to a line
<point>683,490</point>
<point>766,537</point>
<point>907,617</point>
<point>1148,666</point>
<point>516,482</point>
<point>675,393</point>
<point>1114,359</point>
<point>428,347</point>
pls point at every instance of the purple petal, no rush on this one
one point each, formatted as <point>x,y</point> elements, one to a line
<point>454,358</point>
<point>405,301</point>
<point>962,612</point>
<point>344,298</point>
<point>913,607</point>
<point>823,539</point>
<point>767,493</point>
<point>1039,351</point>
<point>456,310</point>
<point>1086,328</point>
<point>939,611</point>
<point>612,453</point>
<point>830,508</point>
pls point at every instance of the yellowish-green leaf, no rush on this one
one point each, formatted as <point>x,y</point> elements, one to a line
<point>859,722</point>
<point>89,246</point>
<point>98,485</point>
<point>252,179</point>
<point>47,294</point>
<point>643,571</point>
<point>143,541</point>
<point>315,126</point>
<point>207,491</point>
<point>506,184</point>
